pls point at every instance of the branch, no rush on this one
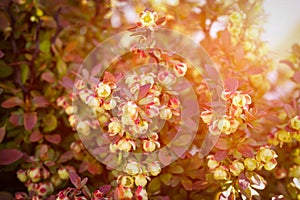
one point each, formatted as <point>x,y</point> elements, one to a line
<point>58,25</point>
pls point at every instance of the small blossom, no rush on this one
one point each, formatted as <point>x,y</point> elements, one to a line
<point>241,100</point>
<point>45,173</point>
<point>34,174</point>
<point>62,102</point>
<point>103,90</point>
<point>63,173</point>
<point>110,105</point>
<point>165,114</point>
<point>132,168</point>
<point>166,78</point>
<point>224,126</point>
<point>148,18</point>
<point>149,145</point>
<point>212,163</point>
<point>295,123</point>
<point>220,174</point>
<point>93,101</point>
<point>236,167</point>
<point>180,69</point>
<point>206,116</point>
<point>265,155</point>
<point>22,175</point>
<point>125,145</point>
<point>83,128</point>
<point>284,136</point>
<point>114,128</point>
<point>140,180</point>
<point>141,193</point>
<point>154,168</point>
<point>80,84</point>
<point>250,164</point>
<point>236,17</point>
<point>127,181</point>
<point>71,110</point>
<point>252,32</point>
<point>270,165</point>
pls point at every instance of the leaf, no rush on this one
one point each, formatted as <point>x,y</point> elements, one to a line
<point>61,67</point>
<point>35,136</point>
<point>94,168</point>
<point>45,46</point>
<point>75,179</point>
<point>40,102</point>
<point>8,156</point>
<point>187,183</point>
<point>108,77</point>
<point>50,123</point>
<point>175,169</point>
<point>66,82</point>
<point>2,133</point>
<point>296,77</point>
<point>105,189</point>
<point>183,140</point>
<point>166,178</point>
<point>246,151</point>
<point>66,156</point>
<point>154,185</point>
<point>48,76</point>
<point>160,21</point>
<point>220,155</point>
<point>5,70</point>
<point>164,157</point>
<point>289,110</point>
<point>16,119</point>
<point>144,89</point>
<point>288,63</point>
<point>24,73</point>
<point>30,119</point>
<point>12,102</point>
<point>55,138</point>
<point>231,84</point>
<point>96,70</point>
<point>222,144</point>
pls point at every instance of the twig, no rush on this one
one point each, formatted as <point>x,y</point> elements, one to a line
<point>58,26</point>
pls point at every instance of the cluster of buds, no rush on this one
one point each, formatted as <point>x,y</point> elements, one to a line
<point>235,25</point>
<point>237,111</point>
<point>222,170</point>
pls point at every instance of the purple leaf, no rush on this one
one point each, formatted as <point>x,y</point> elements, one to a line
<point>144,89</point>
<point>55,138</point>
<point>105,188</point>
<point>35,136</point>
<point>30,120</point>
<point>12,102</point>
<point>231,84</point>
<point>40,102</point>
<point>75,179</point>
<point>8,156</point>
<point>66,156</point>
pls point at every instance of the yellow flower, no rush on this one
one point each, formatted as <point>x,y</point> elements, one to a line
<point>165,114</point>
<point>92,101</point>
<point>224,126</point>
<point>252,32</point>
<point>295,123</point>
<point>149,145</point>
<point>148,18</point>
<point>220,174</point>
<point>114,128</point>
<point>294,171</point>
<point>212,163</point>
<point>71,110</point>
<point>140,180</point>
<point>132,168</point>
<point>83,128</point>
<point>34,174</point>
<point>250,164</point>
<point>110,105</point>
<point>63,173</point>
<point>22,175</point>
<point>236,17</point>
<point>154,168</point>
<point>284,136</point>
<point>270,164</point>
<point>103,90</point>
<point>206,116</point>
<point>248,46</point>
<point>127,181</point>
<point>240,100</point>
<point>265,155</point>
<point>166,78</point>
<point>125,145</point>
<point>236,167</point>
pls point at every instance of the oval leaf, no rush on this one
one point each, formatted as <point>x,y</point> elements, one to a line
<point>8,156</point>
<point>12,102</point>
<point>55,138</point>
<point>30,120</point>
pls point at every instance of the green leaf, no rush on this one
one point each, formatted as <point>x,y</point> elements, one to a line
<point>50,123</point>
<point>175,169</point>
<point>61,67</point>
<point>45,46</point>
<point>166,178</point>
<point>5,70</point>
<point>154,185</point>
<point>24,73</point>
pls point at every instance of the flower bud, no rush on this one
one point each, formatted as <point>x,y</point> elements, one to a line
<point>45,173</point>
<point>250,164</point>
<point>236,167</point>
<point>180,69</point>
<point>166,78</point>
<point>71,110</point>
<point>63,173</point>
<point>34,174</point>
<point>240,100</point>
<point>224,126</point>
<point>154,169</point>
<point>140,180</point>
<point>126,181</point>
<point>220,174</point>
<point>265,155</point>
<point>295,123</point>
<point>165,114</point>
<point>22,175</point>
<point>114,128</point>
<point>270,165</point>
<point>132,168</point>
<point>149,145</point>
<point>284,136</point>
<point>125,145</point>
<point>103,90</point>
<point>83,128</point>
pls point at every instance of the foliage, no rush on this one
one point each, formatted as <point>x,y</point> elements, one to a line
<point>43,44</point>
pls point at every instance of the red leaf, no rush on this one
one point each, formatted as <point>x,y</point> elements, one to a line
<point>288,63</point>
<point>35,136</point>
<point>222,144</point>
<point>75,179</point>
<point>105,188</point>
<point>289,110</point>
<point>30,120</point>
<point>48,77</point>
<point>144,89</point>
<point>40,102</point>
<point>2,133</point>
<point>66,156</point>
<point>16,119</point>
<point>94,168</point>
<point>296,77</point>
<point>246,151</point>
<point>55,138</point>
<point>160,20</point>
<point>67,82</point>
<point>8,156</point>
<point>108,77</point>
<point>220,155</point>
<point>12,102</point>
<point>231,84</point>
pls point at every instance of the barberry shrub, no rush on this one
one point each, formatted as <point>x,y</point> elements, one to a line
<point>71,133</point>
